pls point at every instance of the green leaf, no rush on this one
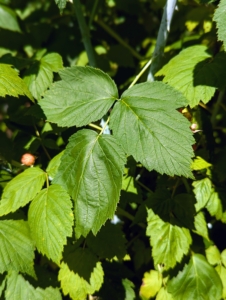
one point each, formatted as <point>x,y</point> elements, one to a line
<point>104,245</point>
<point>166,239</point>
<point>198,280</point>
<point>40,74</point>
<point>199,164</point>
<point>222,273</point>
<point>77,287</point>
<point>202,191</point>
<point>20,289</point>
<point>219,18</point>
<point>17,249</point>
<point>151,284</point>
<point>214,205</point>
<point>11,84</point>
<point>21,190</point>
<point>145,122</point>
<point>223,257</point>
<point>187,70</point>
<point>213,255</point>
<point>54,165</point>
<point>50,218</point>
<point>83,95</point>
<point>91,171</point>
<point>8,19</point>
<point>201,226</point>
<point>61,4</point>
<point>163,295</point>
<point>129,289</point>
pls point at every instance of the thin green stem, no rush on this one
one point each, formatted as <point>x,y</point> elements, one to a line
<point>141,72</point>
<point>124,213</point>
<point>186,184</point>
<point>118,38</point>
<point>93,12</point>
<point>175,187</point>
<point>95,126</point>
<point>216,108</point>
<point>40,138</point>
<point>85,33</point>
<point>105,125</point>
<point>47,180</point>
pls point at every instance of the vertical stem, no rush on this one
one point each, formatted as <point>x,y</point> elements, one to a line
<point>85,33</point>
<point>162,38</point>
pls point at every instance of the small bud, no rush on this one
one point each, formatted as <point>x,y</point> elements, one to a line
<point>193,128</point>
<point>28,159</point>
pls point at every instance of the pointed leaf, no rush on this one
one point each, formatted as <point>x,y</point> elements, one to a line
<point>202,191</point>
<point>166,239</point>
<point>219,18</point>
<point>214,205</point>
<point>213,255</point>
<point>20,289</point>
<point>11,84</point>
<point>54,165</point>
<point>77,287</point>
<point>151,284</point>
<point>201,226</point>
<point>21,189</point>
<point>199,164</point>
<point>61,4</point>
<point>145,122</point>
<point>50,218</point>
<point>163,295</point>
<point>91,171</point>
<point>8,19</point>
<point>198,280</point>
<point>17,249</point>
<point>186,74</point>
<point>82,96</point>
<point>40,75</point>
<point>129,289</point>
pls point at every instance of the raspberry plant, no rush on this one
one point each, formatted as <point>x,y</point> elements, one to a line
<point>112,158</point>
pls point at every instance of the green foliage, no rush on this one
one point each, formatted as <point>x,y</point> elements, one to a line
<point>124,194</point>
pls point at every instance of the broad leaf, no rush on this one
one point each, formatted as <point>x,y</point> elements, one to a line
<point>198,280</point>
<point>50,218</point>
<point>166,239</point>
<point>11,84</point>
<point>201,226</point>
<point>83,95</point>
<point>164,295</point>
<point>17,249</point>
<point>91,171</point>
<point>77,287</point>
<point>145,122</point>
<point>54,165</point>
<point>20,289</point>
<point>8,19</point>
<point>40,75</point>
<point>21,189</point>
<point>219,18</point>
<point>104,245</point>
<point>214,205</point>
<point>202,191</point>
<point>221,270</point>
<point>129,289</point>
<point>213,255</point>
<point>199,164</point>
<point>189,73</point>
<point>223,257</point>
<point>151,284</point>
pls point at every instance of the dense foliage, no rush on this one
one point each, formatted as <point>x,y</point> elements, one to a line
<point>112,186</point>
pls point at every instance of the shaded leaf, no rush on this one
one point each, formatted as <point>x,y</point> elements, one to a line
<point>151,109</point>
<point>166,239</point>
<point>198,280</point>
<point>202,191</point>
<point>17,249</point>
<point>91,171</point>
<point>129,289</point>
<point>219,18</point>
<point>21,190</point>
<point>11,84</point>
<point>20,289</point>
<point>77,287</point>
<point>83,95</point>
<point>40,74</point>
<point>50,218</point>
<point>8,19</point>
<point>151,284</point>
<point>185,74</point>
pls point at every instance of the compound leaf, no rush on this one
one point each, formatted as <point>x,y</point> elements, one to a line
<point>11,84</point>
<point>50,218</point>
<point>82,96</point>
<point>77,287</point>
<point>17,249</point>
<point>40,74</point>
<point>145,122</point>
<point>21,189</point>
<point>198,280</point>
<point>219,18</point>
<point>91,171</point>
<point>20,289</point>
<point>189,73</point>
<point>166,239</point>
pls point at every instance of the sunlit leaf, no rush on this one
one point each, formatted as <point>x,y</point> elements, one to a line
<point>219,18</point>
<point>146,121</point>
<point>221,270</point>
<point>201,226</point>
<point>163,295</point>
<point>213,255</point>
<point>54,165</point>
<point>199,164</point>
<point>151,284</point>
<point>202,191</point>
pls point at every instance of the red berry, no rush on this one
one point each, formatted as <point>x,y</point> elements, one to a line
<point>28,159</point>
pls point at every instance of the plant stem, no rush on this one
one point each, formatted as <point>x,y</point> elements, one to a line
<point>93,12</point>
<point>124,213</point>
<point>40,138</point>
<point>105,125</point>
<point>47,180</point>
<point>141,73</point>
<point>95,126</point>
<point>162,38</point>
<point>216,108</point>
<point>85,33</point>
<point>118,38</point>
